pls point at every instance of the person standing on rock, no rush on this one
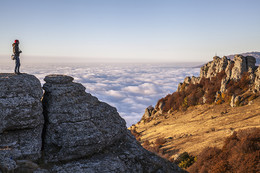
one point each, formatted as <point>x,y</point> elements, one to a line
<point>16,52</point>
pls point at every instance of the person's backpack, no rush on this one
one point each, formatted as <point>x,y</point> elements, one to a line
<point>13,57</point>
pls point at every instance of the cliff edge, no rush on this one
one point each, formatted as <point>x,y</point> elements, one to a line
<point>65,130</point>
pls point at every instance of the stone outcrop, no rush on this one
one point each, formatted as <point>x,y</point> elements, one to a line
<point>77,124</point>
<point>241,65</point>
<point>212,68</point>
<point>148,112</point>
<point>195,80</point>
<point>179,87</point>
<point>159,107</point>
<point>257,79</point>
<point>73,129</point>
<point>223,87</point>
<point>233,69</point>
<point>230,72</point>
<point>187,80</point>
<point>234,101</point>
<point>21,118</point>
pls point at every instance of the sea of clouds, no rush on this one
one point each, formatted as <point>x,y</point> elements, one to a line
<point>128,87</point>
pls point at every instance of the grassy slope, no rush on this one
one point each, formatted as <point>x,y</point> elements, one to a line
<point>199,126</point>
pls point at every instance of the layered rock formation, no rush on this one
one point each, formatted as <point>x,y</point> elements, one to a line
<point>21,118</point>
<point>80,133</point>
<point>77,124</point>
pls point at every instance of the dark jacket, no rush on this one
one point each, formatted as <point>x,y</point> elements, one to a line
<point>16,49</point>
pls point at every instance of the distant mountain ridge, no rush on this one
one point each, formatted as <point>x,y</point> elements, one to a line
<point>254,54</point>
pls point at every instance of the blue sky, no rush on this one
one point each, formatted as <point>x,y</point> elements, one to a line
<point>129,30</point>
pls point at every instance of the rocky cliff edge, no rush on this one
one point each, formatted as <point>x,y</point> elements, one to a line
<point>65,130</point>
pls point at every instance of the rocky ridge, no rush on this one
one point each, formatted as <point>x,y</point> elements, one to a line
<point>254,54</point>
<point>231,71</point>
<point>68,130</point>
<point>201,112</point>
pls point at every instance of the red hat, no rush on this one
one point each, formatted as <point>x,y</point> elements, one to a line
<point>16,41</point>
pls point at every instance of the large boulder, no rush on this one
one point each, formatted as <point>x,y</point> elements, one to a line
<point>77,124</point>
<point>21,118</point>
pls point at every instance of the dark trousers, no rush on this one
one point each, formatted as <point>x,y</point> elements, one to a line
<point>17,65</point>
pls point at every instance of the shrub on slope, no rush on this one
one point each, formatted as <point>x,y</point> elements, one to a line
<point>240,153</point>
<point>206,89</point>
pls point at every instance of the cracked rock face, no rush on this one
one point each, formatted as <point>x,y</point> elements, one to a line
<point>21,118</point>
<point>76,123</point>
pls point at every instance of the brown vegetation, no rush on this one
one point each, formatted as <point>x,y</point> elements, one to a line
<point>197,128</point>
<point>192,94</point>
<point>240,153</point>
<point>238,87</point>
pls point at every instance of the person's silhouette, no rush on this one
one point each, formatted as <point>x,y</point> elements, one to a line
<point>16,52</point>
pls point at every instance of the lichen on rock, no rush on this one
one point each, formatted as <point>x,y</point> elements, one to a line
<point>77,124</point>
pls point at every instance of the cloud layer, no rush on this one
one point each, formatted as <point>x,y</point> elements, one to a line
<point>128,87</point>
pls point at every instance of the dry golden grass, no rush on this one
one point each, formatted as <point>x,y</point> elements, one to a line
<point>198,127</point>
